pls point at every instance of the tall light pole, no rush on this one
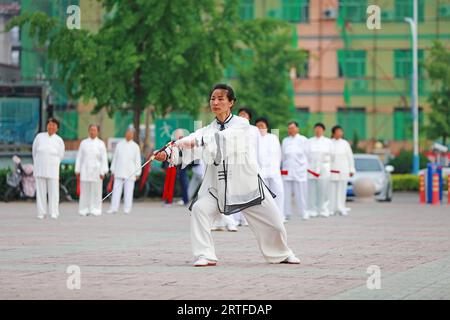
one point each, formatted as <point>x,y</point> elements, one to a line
<point>415,87</point>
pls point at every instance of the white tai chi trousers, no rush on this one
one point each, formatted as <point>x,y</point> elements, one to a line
<point>90,198</point>
<point>318,190</point>
<point>128,190</point>
<point>300,191</point>
<point>276,186</point>
<point>264,220</point>
<point>50,187</point>
<point>338,194</point>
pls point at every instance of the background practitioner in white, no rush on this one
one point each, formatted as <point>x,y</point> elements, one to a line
<point>91,166</point>
<point>319,160</point>
<point>295,164</point>
<point>48,151</point>
<point>269,156</point>
<point>126,169</point>
<point>342,168</point>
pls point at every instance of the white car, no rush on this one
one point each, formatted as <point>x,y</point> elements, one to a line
<point>370,166</point>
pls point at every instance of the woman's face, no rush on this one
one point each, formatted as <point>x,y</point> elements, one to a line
<point>338,134</point>
<point>262,127</point>
<point>219,102</point>
<point>52,128</point>
<point>93,132</point>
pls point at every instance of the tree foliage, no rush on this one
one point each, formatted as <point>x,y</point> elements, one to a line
<point>148,52</point>
<point>438,67</point>
<point>264,61</point>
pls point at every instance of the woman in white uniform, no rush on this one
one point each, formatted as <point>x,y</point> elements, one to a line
<point>342,168</point>
<point>231,184</point>
<point>319,158</point>
<point>91,166</point>
<point>126,169</point>
<point>295,164</point>
<point>269,156</point>
<point>48,151</point>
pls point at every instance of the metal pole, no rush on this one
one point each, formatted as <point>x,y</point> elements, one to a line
<point>415,95</point>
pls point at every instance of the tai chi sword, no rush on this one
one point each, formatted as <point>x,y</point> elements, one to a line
<point>145,163</point>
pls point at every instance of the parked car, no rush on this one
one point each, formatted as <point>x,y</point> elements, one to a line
<point>370,166</point>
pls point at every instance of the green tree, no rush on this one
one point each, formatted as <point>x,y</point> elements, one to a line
<point>148,52</point>
<point>263,63</point>
<point>438,67</point>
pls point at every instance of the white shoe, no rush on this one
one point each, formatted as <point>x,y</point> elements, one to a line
<point>82,214</point>
<point>127,212</point>
<point>202,262</point>
<point>111,211</point>
<point>305,217</point>
<point>40,217</point>
<point>54,217</point>
<point>232,228</point>
<point>291,260</point>
<point>324,215</point>
<point>313,214</point>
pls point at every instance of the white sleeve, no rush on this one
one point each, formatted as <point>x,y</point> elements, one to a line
<point>104,164</point>
<point>78,160</point>
<point>138,161</point>
<point>62,148</point>
<point>35,146</point>
<point>351,159</point>
<point>113,161</point>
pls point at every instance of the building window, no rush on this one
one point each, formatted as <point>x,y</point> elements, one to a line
<point>352,63</point>
<point>246,9</point>
<point>303,69</point>
<point>353,10</point>
<point>302,114</point>
<point>403,128</point>
<point>353,121</point>
<point>404,8</point>
<point>403,63</point>
<point>295,10</point>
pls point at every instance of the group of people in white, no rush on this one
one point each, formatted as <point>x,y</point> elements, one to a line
<point>91,167</point>
<point>312,173</point>
<point>258,190</point>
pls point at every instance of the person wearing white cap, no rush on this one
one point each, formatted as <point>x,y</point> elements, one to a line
<point>91,166</point>
<point>342,168</point>
<point>126,169</point>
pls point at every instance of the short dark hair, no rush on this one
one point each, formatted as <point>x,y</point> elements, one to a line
<point>293,122</point>
<point>230,92</point>
<point>262,119</point>
<point>319,124</point>
<point>247,111</point>
<point>336,127</point>
<point>53,120</point>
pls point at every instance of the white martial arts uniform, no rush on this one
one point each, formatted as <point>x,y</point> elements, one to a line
<point>319,158</point>
<point>48,152</point>
<point>342,165</point>
<point>295,162</point>
<point>91,163</point>
<point>255,140</point>
<point>125,166</point>
<point>270,163</point>
<point>232,184</point>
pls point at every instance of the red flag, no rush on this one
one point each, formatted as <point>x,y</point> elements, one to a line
<point>284,172</point>
<point>109,187</point>
<point>169,184</point>
<point>78,186</point>
<point>145,173</point>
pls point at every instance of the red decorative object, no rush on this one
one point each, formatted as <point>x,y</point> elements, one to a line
<point>169,183</point>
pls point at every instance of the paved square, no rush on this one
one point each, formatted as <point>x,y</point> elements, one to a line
<point>146,255</point>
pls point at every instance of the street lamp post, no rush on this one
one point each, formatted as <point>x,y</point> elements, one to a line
<point>415,95</point>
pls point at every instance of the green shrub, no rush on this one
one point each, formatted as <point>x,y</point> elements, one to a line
<point>403,162</point>
<point>409,182</point>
